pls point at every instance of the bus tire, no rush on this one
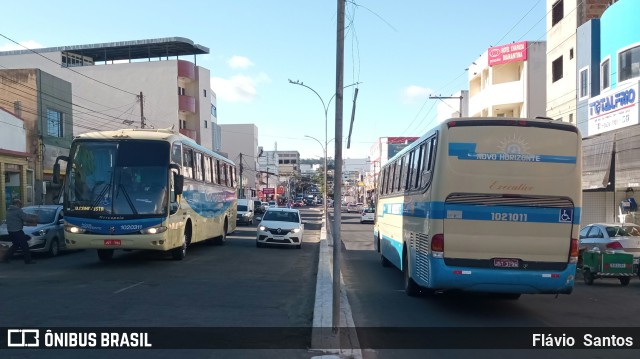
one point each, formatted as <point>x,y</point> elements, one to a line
<point>384,261</point>
<point>410,287</point>
<point>105,255</point>
<point>220,240</point>
<point>179,253</point>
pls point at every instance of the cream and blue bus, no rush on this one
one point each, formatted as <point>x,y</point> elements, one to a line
<point>145,190</point>
<point>486,205</point>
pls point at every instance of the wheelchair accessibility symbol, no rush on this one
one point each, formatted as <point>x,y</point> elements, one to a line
<point>566,215</point>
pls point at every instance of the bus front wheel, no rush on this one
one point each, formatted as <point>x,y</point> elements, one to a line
<point>105,255</point>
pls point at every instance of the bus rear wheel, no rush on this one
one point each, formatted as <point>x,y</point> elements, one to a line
<point>105,255</point>
<point>223,238</point>
<point>410,287</point>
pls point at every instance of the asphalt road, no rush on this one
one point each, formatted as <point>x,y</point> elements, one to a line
<point>377,300</point>
<point>236,286</point>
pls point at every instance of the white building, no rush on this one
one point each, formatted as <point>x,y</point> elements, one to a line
<point>505,81</point>
<point>240,143</point>
<point>128,84</point>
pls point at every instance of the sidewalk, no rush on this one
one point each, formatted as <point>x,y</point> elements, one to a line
<point>345,344</point>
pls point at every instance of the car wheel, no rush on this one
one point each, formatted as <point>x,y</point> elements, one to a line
<point>105,255</point>
<point>54,248</point>
<point>588,277</point>
<point>624,281</point>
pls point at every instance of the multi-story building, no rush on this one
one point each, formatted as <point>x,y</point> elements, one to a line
<point>268,174</point>
<point>43,103</point>
<point>565,16</point>
<point>140,83</point>
<point>14,161</point>
<point>240,143</point>
<point>505,81</point>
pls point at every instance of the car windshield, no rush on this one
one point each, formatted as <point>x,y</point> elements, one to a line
<point>625,231</point>
<point>242,208</point>
<point>45,215</point>
<point>281,216</point>
<point>369,210</point>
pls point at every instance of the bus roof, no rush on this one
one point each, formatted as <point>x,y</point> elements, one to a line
<point>157,134</point>
<point>489,121</point>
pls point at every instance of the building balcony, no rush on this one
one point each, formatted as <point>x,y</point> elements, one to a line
<point>187,104</point>
<point>189,133</point>
<point>504,93</point>
<point>186,70</point>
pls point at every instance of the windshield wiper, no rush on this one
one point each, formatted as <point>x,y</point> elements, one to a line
<point>126,196</point>
<point>100,196</point>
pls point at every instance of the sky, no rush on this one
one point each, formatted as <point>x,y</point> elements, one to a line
<point>398,52</point>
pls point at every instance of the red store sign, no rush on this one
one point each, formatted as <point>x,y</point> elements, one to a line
<point>516,51</point>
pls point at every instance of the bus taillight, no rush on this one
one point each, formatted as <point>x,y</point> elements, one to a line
<point>573,251</point>
<point>437,243</point>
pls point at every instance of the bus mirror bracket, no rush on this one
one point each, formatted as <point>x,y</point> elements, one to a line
<point>56,168</point>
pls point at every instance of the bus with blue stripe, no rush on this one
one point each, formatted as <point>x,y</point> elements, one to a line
<point>487,205</point>
<point>143,189</point>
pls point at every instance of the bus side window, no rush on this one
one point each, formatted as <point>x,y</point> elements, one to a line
<point>176,153</point>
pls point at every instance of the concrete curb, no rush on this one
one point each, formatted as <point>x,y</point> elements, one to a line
<point>323,339</point>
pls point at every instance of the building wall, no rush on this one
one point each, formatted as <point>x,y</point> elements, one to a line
<point>13,160</point>
<point>242,138</point>
<point>561,41</point>
<point>587,59</point>
<point>108,108</point>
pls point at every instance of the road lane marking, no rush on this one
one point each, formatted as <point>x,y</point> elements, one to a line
<point>125,288</point>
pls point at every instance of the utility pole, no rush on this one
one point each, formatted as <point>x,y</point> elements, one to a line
<point>337,193</point>
<point>142,124</point>
<point>450,98</point>
<point>241,189</point>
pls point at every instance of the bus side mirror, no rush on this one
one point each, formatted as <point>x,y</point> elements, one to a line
<point>56,168</point>
<point>178,183</point>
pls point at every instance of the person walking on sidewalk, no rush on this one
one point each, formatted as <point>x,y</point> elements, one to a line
<point>16,219</point>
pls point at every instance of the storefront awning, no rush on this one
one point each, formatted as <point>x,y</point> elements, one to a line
<point>596,161</point>
<point>628,157</point>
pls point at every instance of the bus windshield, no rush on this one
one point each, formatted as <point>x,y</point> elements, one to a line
<point>118,178</point>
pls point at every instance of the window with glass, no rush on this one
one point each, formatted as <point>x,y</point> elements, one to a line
<point>197,167</point>
<point>584,83</point>
<point>605,74</point>
<point>629,63</point>
<point>187,162</point>
<point>54,123</point>
<point>207,169</point>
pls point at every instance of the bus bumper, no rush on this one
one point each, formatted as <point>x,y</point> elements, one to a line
<point>140,242</point>
<point>443,277</point>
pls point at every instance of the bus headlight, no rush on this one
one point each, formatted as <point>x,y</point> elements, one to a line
<point>73,229</point>
<point>154,230</point>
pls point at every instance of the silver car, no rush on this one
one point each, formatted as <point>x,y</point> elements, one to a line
<point>47,236</point>
<point>612,236</point>
<point>280,226</point>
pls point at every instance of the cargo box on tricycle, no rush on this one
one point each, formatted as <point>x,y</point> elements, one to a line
<point>608,264</point>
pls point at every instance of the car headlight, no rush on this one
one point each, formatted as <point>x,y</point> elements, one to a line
<point>295,230</point>
<point>40,233</point>
<point>73,229</point>
<point>154,230</point>
<point>246,215</point>
<point>263,228</point>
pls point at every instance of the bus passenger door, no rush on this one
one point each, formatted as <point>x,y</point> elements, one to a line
<point>175,221</point>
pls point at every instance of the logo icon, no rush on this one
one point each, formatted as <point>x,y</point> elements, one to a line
<point>566,215</point>
<point>23,338</point>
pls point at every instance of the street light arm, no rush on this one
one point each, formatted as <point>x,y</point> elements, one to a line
<point>324,107</point>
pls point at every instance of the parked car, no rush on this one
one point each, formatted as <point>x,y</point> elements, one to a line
<point>612,236</point>
<point>368,215</point>
<point>257,205</point>
<point>280,226</point>
<point>273,204</point>
<point>47,236</point>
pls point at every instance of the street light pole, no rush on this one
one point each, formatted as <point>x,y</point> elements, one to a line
<point>324,197</point>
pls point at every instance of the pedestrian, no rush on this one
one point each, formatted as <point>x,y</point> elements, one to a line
<point>16,219</point>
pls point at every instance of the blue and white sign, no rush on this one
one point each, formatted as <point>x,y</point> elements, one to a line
<point>566,215</point>
<point>614,109</point>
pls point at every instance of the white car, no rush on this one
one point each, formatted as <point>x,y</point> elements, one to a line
<point>368,215</point>
<point>280,226</point>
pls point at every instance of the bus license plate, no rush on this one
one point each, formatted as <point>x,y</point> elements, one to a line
<point>112,242</point>
<point>506,263</point>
